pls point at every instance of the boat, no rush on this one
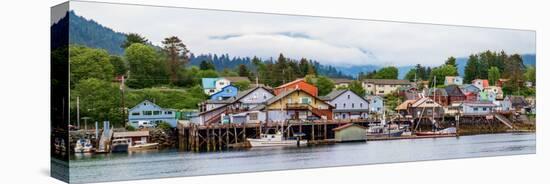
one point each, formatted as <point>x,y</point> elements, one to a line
<point>143,146</point>
<point>83,146</point>
<point>120,145</point>
<point>277,139</point>
<point>383,131</point>
<point>447,131</point>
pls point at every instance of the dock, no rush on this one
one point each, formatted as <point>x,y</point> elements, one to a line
<point>217,137</point>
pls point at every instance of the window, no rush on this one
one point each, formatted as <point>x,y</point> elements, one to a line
<point>335,105</point>
<point>147,113</point>
<point>265,96</point>
<point>156,112</point>
<point>369,85</point>
<point>222,83</point>
<point>305,100</point>
<point>344,105</point>
<point>475,108</point>
<point>135,113</point>
<point>253,116</point>
<point>352,105</point>
<point>484,109</point>
<point>289,100</point>
<point>211,91</point>
<point>167,112</point>
<point>380,92</point>
<point>360,105</point>
<point>348,96</point>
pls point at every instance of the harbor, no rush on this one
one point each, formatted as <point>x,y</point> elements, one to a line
<point>175,163</point>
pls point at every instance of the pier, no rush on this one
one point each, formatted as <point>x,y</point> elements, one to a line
<point>217,137</point>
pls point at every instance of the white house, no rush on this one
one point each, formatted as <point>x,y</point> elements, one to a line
<point>347,104</point>
<point>152,113</point>
<point>214,85</point>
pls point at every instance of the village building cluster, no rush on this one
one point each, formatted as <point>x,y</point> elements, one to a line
<point>299,100</point>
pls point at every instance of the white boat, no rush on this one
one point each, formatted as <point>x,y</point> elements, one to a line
<point>270,140</point>
<point>83,146</point>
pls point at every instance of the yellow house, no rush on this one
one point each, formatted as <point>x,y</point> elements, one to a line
<point>297,104</point>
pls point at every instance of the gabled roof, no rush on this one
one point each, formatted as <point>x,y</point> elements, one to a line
<point>518,101</point>
<point>437,92</point>
<point>423,103</point>
<point>405,105</point>
<point>223,89</point>
<point>291,83</point>
<point>453,90</point>
<point>387,81</point>
<point>145,101</point>
<point>333,94</point>
<point>286,93</point>
<point>244,93</point>
<point>347,125</point>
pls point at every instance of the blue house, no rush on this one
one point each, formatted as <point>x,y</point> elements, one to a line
<point>225,93</point>
<point>147,112</point>
<point>376,104</point>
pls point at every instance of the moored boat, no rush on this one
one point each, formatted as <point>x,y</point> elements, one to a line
<point>120,145</point>
<point>143,146</point>
<point>83,146</point>
<point>271,140</point>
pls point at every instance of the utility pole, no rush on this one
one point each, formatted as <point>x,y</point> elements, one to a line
<point>78,111</point>
<point>123,118</point>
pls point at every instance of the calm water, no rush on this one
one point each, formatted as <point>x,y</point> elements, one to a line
<point>171,163</point>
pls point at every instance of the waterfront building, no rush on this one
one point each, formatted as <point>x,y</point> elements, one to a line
<point>403,108</point>
<point>297,84</point>
<point>480,83</point>
<point>504,105</point>
<point>454,94</point>
<point>213,111</point>
<point>225,93</point>
<point>453,80</point>
<point>470,96</point>
<point>296,104</point>
<point>477,107</point>
<point>425,108</point>
<point>350,132</point>
<point>519,103</point>
<point>384,86</point>
<point>439,95</point>
<point>213,85</point>
<point>376,104</point>
<point>347,104</point>
<point>152,113</point>
<point>134,137</point>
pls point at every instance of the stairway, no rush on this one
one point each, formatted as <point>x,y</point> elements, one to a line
<point>105,139</point>
<point>504,120</point>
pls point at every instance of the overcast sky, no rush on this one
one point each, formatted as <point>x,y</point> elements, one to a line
<point>327,40</point>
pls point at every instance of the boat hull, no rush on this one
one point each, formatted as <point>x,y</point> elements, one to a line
<point>283,143</point>
<point>119,148</point>
<point>396,133</point>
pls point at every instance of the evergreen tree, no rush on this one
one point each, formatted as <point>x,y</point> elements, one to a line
<point>177,55</point>
<point>471,71</point>
<point>243,71</point>
<point>133,38</point>
<point>207,65</point>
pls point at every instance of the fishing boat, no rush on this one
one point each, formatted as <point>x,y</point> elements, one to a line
<point>120,145</point>
<point>383,131</point>
<point>277,139</point>
<point>83,146</point>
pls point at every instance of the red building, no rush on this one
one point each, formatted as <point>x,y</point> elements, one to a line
<point>297,84</point>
